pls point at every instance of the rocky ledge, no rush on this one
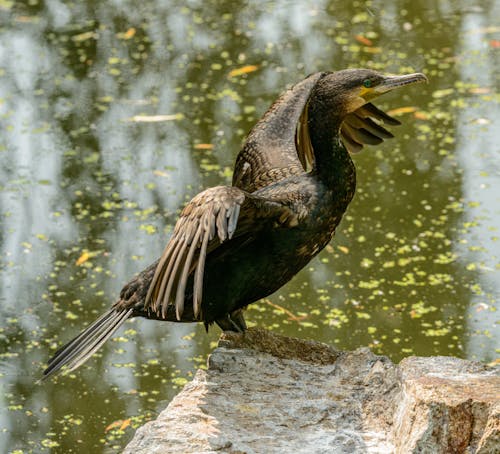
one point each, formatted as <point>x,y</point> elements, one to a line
<point>264,393</point>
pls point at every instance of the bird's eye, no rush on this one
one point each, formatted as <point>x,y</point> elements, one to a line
<point>367,83</point>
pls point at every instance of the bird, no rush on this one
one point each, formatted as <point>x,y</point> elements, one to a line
<point>233,245</point>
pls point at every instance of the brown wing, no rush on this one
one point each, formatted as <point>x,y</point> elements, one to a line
<point>211,218</point>
<point>279,146</point>
<point>269,153</point>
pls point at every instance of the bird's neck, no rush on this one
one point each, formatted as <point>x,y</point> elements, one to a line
<point>332,163</point>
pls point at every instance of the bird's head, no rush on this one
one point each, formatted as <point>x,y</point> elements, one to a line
<point>344,99</point>
<point>353,88</point>
<point>350,89</point>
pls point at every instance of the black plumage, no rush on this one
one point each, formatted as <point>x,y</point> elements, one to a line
<point>232,245</point>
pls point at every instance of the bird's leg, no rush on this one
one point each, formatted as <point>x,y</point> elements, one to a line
<point>238,319</point>
<point>233,322</point>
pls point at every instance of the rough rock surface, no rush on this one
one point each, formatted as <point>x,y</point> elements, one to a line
<point>264,393</point>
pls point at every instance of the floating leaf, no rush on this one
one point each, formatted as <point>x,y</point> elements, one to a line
<point>84,36</point>
<point>130,33</point>
<point>485,30</point>
<point>443,93</point>
<point>120,424</point>
<point>148,228</point>
<point>365,41</point>
<point>421,115</point>
<point>291,315</point>
<point>71,316</point>
<point>155,118</point>
<point>48,443</point>
<point>373,50</point>
<point>125,424</point>
<point>401,110</point>
<point>479,90</point>
<point>481,121</point>
<point>363,315</point>
<point>83,258</point>
<point>160,173</point>
<point>243,70</point>
<point>203,146</point>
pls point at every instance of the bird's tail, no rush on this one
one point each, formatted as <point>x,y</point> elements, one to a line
<point>83,346</point>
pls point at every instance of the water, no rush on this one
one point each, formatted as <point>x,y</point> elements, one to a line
<point>89,192</point>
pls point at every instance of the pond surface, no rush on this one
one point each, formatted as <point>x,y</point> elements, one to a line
<point>114,114</point>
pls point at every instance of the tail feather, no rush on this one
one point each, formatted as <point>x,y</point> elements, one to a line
<point>83,346</point>
<point>86,333</point>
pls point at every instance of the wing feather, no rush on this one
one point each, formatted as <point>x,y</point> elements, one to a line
<point>181,287</point>
<point>173,277</point>
<point>303,144</point>
<point>362,127</point>
<point>162,277</point>
<point>351,145</point>
<point>369,110</point>
<point>208,220</point>
<point>221,225</point>
<point>361,135</point>
<point>232,220</point>
<point>355,120</point>
<point>198,277</point>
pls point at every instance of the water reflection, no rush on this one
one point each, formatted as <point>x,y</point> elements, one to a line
<point>477,147</point>
<point>77,176</point>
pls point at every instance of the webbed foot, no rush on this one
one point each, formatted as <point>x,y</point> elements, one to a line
<point>233,322</point>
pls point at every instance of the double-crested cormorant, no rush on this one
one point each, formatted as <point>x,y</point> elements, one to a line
<point>233,245</point>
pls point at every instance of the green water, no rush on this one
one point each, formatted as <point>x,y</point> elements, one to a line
<point>89,190</point>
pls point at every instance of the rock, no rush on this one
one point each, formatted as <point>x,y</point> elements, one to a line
<point>446,405</point>
<point>268,393</point>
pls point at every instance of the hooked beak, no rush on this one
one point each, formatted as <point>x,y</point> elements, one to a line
<point>390,83</point>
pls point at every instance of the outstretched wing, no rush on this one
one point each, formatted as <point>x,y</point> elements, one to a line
<point>269,153</point>
<point>363,127</point>
<point>214,216</point>
<point>278,146</point>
